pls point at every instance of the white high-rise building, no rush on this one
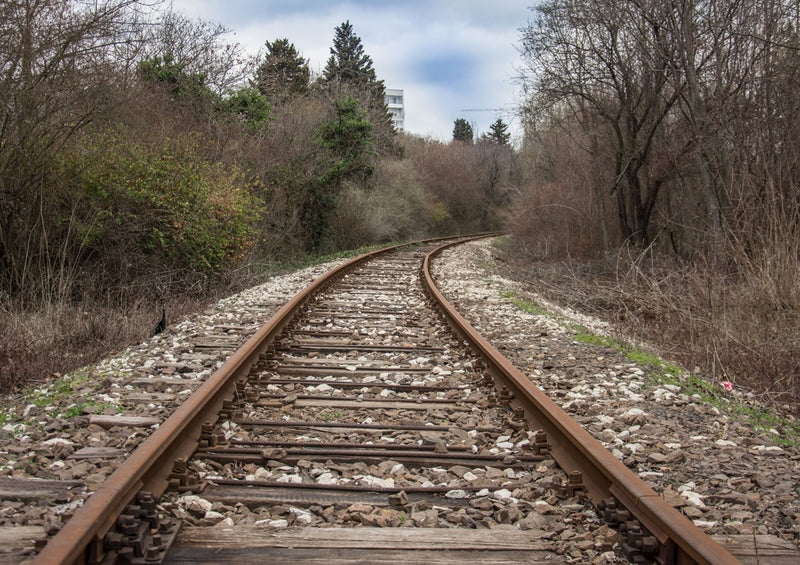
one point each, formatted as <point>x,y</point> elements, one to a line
<point>394,101</point>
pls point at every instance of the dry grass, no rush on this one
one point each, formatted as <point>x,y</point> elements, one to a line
<point>743,328</point>
<point>57,338</point>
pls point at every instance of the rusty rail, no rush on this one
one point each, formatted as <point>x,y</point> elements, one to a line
<point>615,490</point>
<point>82,538</point>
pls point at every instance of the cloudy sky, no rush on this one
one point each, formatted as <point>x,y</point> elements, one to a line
<point>447,55</point>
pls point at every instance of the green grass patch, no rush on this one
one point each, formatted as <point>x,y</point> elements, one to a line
<point>501,242</point>
<point>707,392</point>
<point>600,340</point>
<point>529,307</point>
<point>75,410</point>
<point>788,430</point>
<point>58,390</point>
<point>81,408</point>
<point>659,370</point>
<point>62,390</point>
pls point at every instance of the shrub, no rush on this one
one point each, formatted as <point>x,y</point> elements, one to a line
<point>159,204</point>
<point>392,208</point>
<point>553,222</point>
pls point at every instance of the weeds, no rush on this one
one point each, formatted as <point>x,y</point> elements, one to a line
<point>57,390</point>
<point>75,410</point>
<point>660,372</point>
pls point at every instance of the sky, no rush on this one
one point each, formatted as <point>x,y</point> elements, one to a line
<point>447,56</point>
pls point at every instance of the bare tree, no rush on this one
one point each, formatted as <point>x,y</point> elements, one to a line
<point>594,58</point>
<point>690,93</point>
<point>58,65</point>
<point>199,48</point>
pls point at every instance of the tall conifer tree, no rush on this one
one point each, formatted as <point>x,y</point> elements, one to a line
<point>462,131</point>
<point>284,73</point>
<point>498,133</point>
<point>348,63</point>
<point>350,72</point>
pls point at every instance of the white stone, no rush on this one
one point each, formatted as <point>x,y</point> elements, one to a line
<point>725,443</point>
<point>273,524</point>
<point>768,449</point>
<point>694,499</point>
<point>58,441</point>
<point>302,516</point>
<point>326,479</point>
<point>195,504</point>
<point>214,516</point>
<point>634,413</point>
<point>502,494</point>
<point>225,523</point>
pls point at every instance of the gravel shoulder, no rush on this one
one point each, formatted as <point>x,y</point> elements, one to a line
<point>64,431</point>
<point>727,476</point>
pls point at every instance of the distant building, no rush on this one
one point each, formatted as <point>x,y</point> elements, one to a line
<point>394,101</point>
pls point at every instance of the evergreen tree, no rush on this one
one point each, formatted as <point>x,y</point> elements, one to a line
<point>165,70</point>
<point>498,134</point>
<point>349,140</point>
<point>462,131</point>
<point>349,72</point>
<point>348,63</point>
<point>250,105</point>
<point>284,73</point>
<point>349,147</point>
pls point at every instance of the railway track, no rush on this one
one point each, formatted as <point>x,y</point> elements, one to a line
<point>366,402</point>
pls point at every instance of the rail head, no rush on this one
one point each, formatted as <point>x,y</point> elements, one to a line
<point>573,448</point>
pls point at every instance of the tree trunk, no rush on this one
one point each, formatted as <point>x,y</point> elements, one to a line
<point>698,119</point>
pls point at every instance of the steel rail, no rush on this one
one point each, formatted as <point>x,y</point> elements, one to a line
<point>81,540</point>
<point>574,449</point>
